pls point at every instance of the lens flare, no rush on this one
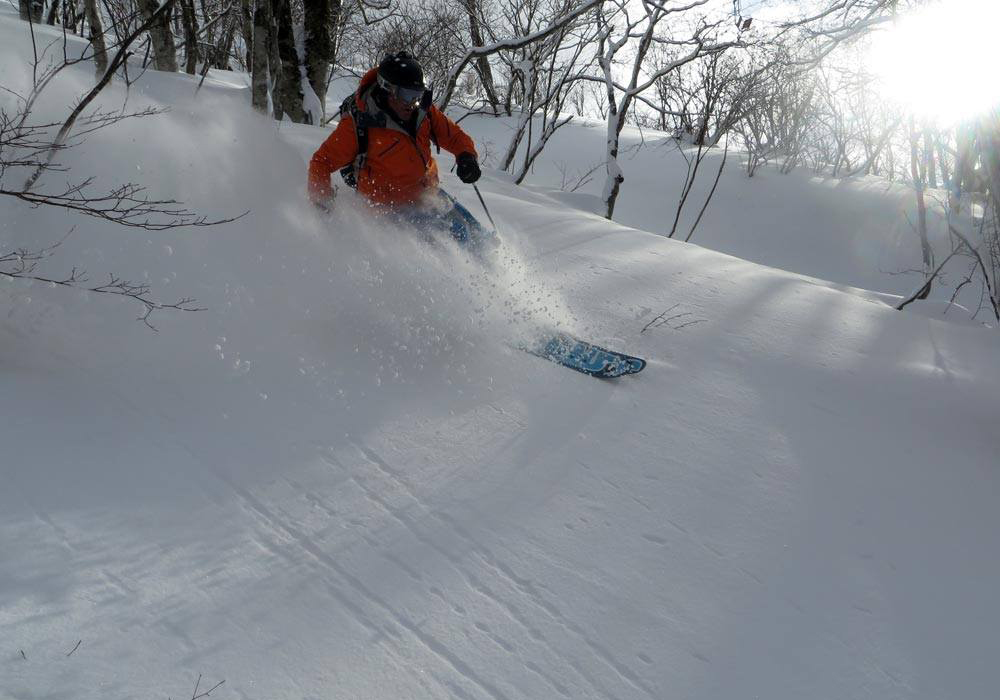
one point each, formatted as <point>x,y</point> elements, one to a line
<point>941,62</point>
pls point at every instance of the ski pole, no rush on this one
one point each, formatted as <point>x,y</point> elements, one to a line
<point>483,202</point>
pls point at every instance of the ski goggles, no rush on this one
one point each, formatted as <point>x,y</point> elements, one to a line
<point>410,96</point>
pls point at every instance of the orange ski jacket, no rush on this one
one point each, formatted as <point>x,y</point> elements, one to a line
<point>397,168</point>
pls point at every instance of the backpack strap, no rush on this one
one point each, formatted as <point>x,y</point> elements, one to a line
<point>363,120</point>
<point>425,106</point>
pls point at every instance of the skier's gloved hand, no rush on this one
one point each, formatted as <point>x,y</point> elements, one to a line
<point>467,168</point>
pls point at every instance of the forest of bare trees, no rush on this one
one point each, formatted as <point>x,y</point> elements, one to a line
<point>789,93</point>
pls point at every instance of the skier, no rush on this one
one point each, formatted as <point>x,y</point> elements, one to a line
<point>382,146</point>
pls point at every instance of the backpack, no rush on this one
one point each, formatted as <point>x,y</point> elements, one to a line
<point>363,120</point>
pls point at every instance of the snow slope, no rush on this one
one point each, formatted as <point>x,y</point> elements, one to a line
<point>339,480</point>
<point>853,231</point>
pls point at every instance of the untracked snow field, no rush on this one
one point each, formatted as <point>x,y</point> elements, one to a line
<point>341,479</point>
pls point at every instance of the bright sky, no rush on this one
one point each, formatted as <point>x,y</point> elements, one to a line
<point>940,62</point>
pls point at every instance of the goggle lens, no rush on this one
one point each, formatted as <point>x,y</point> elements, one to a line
<point>408,96</point>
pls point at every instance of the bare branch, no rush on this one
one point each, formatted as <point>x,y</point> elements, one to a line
<point>668,320</point>
<point>126,205</point>
<point>986,277</point>
<point>711,193</point>
<point>196,696</point>
<point>23,264</point>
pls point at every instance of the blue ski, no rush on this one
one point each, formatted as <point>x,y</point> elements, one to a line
<point>579,355</point>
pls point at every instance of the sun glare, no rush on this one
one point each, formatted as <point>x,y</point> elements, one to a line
<point>941,61</point>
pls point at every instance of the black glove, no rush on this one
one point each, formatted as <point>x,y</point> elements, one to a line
<point>467,168</point>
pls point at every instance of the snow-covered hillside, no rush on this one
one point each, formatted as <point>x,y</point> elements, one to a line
<point>340,480</point>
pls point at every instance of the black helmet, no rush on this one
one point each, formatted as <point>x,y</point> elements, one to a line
<point>402,77</point>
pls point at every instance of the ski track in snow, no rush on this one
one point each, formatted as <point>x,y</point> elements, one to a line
<point>474,583</point>
<point>277,535</point>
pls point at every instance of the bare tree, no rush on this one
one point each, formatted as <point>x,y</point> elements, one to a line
<point>431,31</point>
<point>568,14</point>
<point>549,95</point>
<point>645,31</point>
<point>823,30</point>
<point>547,69</point>
<point>708,97</point>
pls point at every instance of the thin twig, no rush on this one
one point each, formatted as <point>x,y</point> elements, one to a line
<point>196,696</point>
<point>653,323</point>
<point>664,320</point>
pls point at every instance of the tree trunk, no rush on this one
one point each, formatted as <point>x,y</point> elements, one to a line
<point>96,36</point>
<point>70,17</point>
<point>318,48</point>
<point>943,161</point>
<point>53,12</point>
<point>508,101</point>
<point>210,23</point>
<point>31,10</point>
<point>918,185</point>
<point>220,58</point>
<point>260,80</point>
<point>190,22</point>
<point>989,155</point>
<point>536,150</point>
<point>515,140</point>
<point>483,62</point>
<point>287,89</point>
<point>247,29</point>
<point>527,112</point>
<point>929,159</point>
<point>963,179</point>
<point>162,38</point>
<point>615,178</point>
